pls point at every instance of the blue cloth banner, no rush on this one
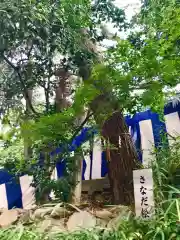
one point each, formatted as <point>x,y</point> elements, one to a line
<point>145,129</point>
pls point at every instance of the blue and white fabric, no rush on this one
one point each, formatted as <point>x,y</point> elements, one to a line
<point>146,130</point>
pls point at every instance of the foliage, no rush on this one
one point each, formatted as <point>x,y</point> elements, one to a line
<point>33,34</point>
<point>166,167</point>
<point>44,138</point>
<point>12,157</point>
<point>45,128</point>
<point>141,77</point>
<point>143,70</point>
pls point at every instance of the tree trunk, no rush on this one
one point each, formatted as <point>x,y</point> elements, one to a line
<point>62,88</point>
<point>121,154</point>
<point>27,147</point>
<point>121,157</point>
<point>78,179</point>
<point>62,94</point>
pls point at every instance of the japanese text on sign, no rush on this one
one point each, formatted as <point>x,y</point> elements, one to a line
<point>143,191</point>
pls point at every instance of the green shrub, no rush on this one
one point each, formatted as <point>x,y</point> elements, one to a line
<point>166,174</point>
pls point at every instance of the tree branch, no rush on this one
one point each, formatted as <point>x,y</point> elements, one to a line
<point>26,95</point>
<point>82,124</point>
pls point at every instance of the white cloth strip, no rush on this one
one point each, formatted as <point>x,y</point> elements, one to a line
<point>3,196</point>
<point>96,159</point>
<point>28,192</point>
<point>172,126</point>
<point>88,165</point>
<point>147,141</point>
<point>54,176</point>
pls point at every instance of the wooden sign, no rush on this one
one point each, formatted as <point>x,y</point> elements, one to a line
<point>143,193</point>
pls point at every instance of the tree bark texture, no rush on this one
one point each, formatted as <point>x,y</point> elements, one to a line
<point>62,89</point>
<point>121,154</point>
<point>121,158</point>
<point>27,145</point>
<point>61,99</point>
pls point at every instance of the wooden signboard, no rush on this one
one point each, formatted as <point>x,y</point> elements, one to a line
<point>143,193</point>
